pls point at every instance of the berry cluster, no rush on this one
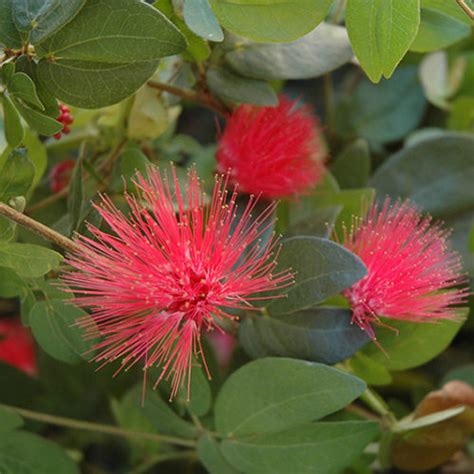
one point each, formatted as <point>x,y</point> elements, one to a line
<point>66,119</point>
<point>60,175</point>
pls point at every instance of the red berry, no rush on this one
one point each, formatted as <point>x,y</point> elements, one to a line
<point>66,130</point>
<point>60,175</point>
<point>57,135</point>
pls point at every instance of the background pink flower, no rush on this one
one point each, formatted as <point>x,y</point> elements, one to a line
<point>273,151</point>
<point>164,274</point>
<point>413,275</point>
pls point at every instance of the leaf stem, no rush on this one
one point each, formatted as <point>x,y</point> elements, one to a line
<point>374,401</point>
<point>98,428</point>
<point>38,228</point>
<point>193,96</point>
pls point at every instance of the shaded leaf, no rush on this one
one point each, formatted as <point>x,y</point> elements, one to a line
<point>201,20</point>
<point>16,175</point>
<point>322,269</point>
<point>320,335</point>
<point>351,167</point>
<point>22,87</point>
<point>326,48</point>
<point>9,35</point>
<point>210,455</point>
<point>13,128</point>
<point>9,420</point>
<point>38,121</point>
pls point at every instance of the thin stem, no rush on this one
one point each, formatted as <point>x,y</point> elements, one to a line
<point>466,8</point>
<point>98,428</point>
<point>38,228</point>
<point>374,401</point>
<point>188,94</point>
<point>362,412</point>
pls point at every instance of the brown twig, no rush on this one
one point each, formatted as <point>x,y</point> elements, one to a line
<point>466,8</point>
<point>38,228</point>
<point>202,98</point>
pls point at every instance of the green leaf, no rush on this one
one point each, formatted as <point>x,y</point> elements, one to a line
<point>323,268</point>
<point>317,221</point>
<point>133,160</point>
<point>27,302</point>
<point>11,284</point>
<point>319,448</point>
<point>409,424</point>
<point>442,24</point>
<point>92,85</point>
<point>319,335</point>
<point>23,452</point>
<point>37,155</point>
<point>271,20</point>
<point>321,51</point>
<point>9,35</point>
<point>41,18</point>
<point>29,260</point>
<point>200,397</point>
<point>13,128</point>
<point>17,388</point>
<point>16,175</point>
<point>230,86</point>
<point>351,168</point>
<point>385,112</point>
<point>429,339</point>
<point>53,325</point>
<point>461,116</point>
<point>160,414</point>
<point>465,373</point>
<point>280,393</point>
<point>6,71</point>
<point>211,457</point>
<point>21,86</point>
<point>201,20</point>
<point>115,32</point>
<point>437,174</point>
<point>369,370</point>
<point>75,200</point>
<point>381,31</point>
<point>38,121</point>
<point>9,420</point>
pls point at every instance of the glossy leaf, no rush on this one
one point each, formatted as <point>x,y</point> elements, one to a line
<point>322,269</point>
<point>230,86</point>
<point>281,393</point>
<point>322,50</point>
<point>13,127</point>
<point>272,20</point>
<point>201,20</point>
<point>41,18</point>
<point>52,324</point>
<point>429,339</point>
<point>319,335</point>
<point>319,448</point>
<point>23,452</point>
<point>381,31</point>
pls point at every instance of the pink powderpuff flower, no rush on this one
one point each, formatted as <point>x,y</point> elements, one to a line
<point>412,275</point>
<point>272,151</point>
<point>16,346</point>
<point>169,270</point>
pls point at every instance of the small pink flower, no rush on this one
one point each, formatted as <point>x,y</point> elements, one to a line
<point>413,275</point>
<point>162,276</point>
<point>272,151</point>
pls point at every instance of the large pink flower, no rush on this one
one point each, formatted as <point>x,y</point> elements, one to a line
<point>413,275</point>
<point>273,151</point>
<point>170,269</point>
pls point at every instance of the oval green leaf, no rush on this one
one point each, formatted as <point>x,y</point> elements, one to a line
<point>322,269</point>
<point>16,175</point>
<point>319,335</point>
<point>201,20</point>
<point>326,48</point>
<point>53,325</point>
<point>9,35</point>
<point>270,20</point>
<point>381,31</point>
<point>318,448</point>
<point>21,86</point>
<point>274,394</point>
<point>14,132</point>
